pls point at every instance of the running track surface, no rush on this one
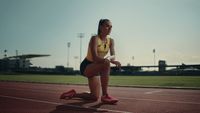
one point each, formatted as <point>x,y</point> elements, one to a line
<point>44,98</point>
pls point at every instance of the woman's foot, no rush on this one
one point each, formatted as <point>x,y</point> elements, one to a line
<point>108,99</point>
<point>68,95</point>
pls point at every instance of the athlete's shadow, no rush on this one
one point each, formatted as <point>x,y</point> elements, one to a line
<point>79,107</point>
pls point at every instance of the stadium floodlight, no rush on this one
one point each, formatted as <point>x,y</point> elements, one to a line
<point>75,57</point>
<point>154,57</point>
<point>16,52</point>
<point>5,53</point>
<point>68,46</point>
<point>133,59</point>
<point>80,35</point>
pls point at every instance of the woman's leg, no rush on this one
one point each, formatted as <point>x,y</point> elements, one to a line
<point>94,85</point>
<point>100,68</point>
<point>104,70</point>
<point>104,84</point>
<point>105,79</point>
<point>92,71</point>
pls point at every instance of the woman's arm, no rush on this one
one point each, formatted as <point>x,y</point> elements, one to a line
<point>112,49</point>
<point>112,53</point>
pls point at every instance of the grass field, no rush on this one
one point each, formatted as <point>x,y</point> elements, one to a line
<point>146,81</point>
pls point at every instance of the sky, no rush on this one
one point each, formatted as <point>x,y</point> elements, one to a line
<point>171,27</point>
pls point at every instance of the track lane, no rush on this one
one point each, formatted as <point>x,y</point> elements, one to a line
<point>135,100</point>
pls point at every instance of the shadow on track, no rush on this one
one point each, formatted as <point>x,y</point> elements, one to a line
<point>79,107</point>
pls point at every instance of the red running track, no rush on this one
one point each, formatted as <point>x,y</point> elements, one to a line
<point>44,98</point>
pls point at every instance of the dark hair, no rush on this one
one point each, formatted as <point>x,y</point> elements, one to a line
<point>101,22</point>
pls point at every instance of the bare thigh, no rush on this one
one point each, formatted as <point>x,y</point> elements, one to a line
<point>95,68</point>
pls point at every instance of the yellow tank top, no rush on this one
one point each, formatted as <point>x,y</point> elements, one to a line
<point>102,49</point>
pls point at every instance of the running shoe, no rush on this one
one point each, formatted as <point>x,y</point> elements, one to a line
<point>68,95</point>
<point>108,99</point>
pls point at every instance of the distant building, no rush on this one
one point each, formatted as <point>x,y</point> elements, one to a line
<point>17,62</point>
<point>162,66</point>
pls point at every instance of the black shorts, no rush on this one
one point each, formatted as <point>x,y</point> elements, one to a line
<point>83,65</point>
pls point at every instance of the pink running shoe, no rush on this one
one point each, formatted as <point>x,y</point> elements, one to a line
<point>108,99</point>
<point>68,95</point>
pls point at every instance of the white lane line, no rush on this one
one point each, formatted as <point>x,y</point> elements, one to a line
<point>164,101</point>
<point>57,103</point>
<point>151,92</point>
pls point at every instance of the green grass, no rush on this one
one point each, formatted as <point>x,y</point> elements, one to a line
<point>164,81</point>
<point>45,79</point>
<point>158,81</point>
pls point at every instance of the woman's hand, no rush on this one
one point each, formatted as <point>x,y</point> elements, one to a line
<point>117,63</point>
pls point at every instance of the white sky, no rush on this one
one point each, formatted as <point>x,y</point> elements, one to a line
<point>172,27</point>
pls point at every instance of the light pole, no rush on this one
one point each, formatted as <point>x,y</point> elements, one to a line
<point>80,35</point>
<point>154,56</point>
<point>5,53</point>
<point>68,46</point>
<point>133,59</point>
<point>75,57</point>
<point>16,52</point>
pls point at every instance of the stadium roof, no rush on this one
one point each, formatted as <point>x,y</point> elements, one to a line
<point>29,56</point>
